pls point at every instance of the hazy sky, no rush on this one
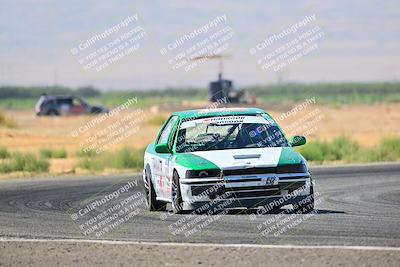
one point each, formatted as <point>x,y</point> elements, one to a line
<point>360,42</point>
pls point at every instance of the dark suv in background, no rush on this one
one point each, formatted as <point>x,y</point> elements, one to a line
<point>62,105</point>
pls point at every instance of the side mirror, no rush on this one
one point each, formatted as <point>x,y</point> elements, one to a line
<point>162,148</point>
<point>298,140</point>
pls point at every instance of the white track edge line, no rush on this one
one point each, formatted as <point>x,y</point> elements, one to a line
<point>117,242</point>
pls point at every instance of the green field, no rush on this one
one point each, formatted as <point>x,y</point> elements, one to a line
<point>325,93</point>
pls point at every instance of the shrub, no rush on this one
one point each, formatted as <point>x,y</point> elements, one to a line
<point>92,164</point>
<point>28,162</point>
<point>86,153</point>
<point>344,149</point>
<point>125,158</point>
<point>4,153</point>
<point>5,168</point>
<point>364,155</point>
<point>313,151</point>
<point>340,148</point>
<point>57,154</point>
<point>390,149</point>
<point>45,153</point>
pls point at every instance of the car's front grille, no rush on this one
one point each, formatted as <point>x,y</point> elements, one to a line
<point>250,171</point>
<point>291,185</point>
<point>239,192</point>
<point>197,190</point>
<point>294,168</point>
<point>247,191</point>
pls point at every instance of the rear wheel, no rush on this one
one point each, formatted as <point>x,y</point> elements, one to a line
<point>176,195</point>
<point>152,203</point>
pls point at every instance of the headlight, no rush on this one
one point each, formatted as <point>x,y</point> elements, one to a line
<point>293,168</point>
<point>203,173</point>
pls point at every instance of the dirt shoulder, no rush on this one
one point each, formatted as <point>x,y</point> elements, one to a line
<point>56,253</point>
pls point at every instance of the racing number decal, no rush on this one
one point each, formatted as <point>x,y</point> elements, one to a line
<point>270,180</point>
<point>158,173</point>
<point>168,174</point>
<point>162,175</point>
<point>160,182</point>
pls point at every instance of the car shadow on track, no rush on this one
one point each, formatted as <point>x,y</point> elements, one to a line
<point>281,211</point>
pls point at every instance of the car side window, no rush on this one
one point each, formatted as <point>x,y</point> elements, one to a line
<point>167,131</point>
<point>76,102</point>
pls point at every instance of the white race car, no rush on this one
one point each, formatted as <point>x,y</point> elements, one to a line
<point>238,157</point>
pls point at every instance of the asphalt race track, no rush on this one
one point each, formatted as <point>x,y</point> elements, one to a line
<point>357,206</point>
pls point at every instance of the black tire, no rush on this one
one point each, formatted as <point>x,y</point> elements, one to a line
<point>152,203</point>
<point>309,205</point>
<point>176,195</point>
<point>52,112</point>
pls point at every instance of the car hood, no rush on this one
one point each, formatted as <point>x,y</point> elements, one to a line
<point>240,158</point>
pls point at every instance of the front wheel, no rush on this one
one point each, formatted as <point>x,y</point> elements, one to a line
<point>308,204</point>
<point>152,203</point>
<point>53,113</point>
<point>176,195</point>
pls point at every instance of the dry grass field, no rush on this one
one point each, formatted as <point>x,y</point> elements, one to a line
<point>366,124</point>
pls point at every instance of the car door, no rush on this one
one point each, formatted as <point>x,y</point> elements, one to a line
<point>64,105</point>
<point>162,161</point>
<point>169,164</point>
<point>77,106</point>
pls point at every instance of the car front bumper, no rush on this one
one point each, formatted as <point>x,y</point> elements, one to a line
<point>249,191</point>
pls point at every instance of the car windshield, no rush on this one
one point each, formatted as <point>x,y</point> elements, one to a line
<point>232,132</point>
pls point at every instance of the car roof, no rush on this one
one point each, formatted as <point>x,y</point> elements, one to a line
<point>59,96</point>
<point>213,112</point>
